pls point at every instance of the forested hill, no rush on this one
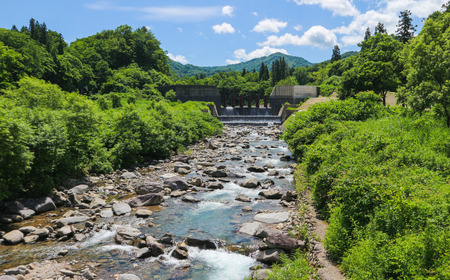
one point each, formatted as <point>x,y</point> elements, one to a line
<point>192,70</point>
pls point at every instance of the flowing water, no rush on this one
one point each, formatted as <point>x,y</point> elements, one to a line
<point>218,216</point>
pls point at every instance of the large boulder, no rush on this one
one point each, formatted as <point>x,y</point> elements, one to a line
<point>121,208</point>
<point>41,233</point>
<point>271,194</point>
<point>190,199</point>
<point>196,181</point>
<point>256,169</point>
<point>154,246</point>
<point>279,240</point>
<point>65,231</point>
<point>176,183</point>
<point>216,173</point>
<point>80,189</point>
<point>127,235</point>
<point>261,274</point>
<point>180,167</point>
<point>214,185</point>
<point>201,243</point>
<point>149,199</point>
<point>250,183</point>
<point>26,213</point>
<point>143,213</point>
<point>128,175</point>
<point>242,197</point>
<point>270,256</point>
<point>70,221</point>
<point>147,186</point>
<point>250,228</point>
<point>272,218</point>
<point>42,204</point>
<point>13,237</point>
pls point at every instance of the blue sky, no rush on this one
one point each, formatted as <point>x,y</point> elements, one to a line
<point>216,32</point>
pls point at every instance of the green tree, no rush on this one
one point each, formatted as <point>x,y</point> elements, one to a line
<point>336,54</point>
<point>376,68</point>
<point>367,35</point>
<point>380,29</point>
<point>427,61</point>
<point>405,28</point>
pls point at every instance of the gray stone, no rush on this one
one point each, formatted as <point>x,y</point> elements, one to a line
<point>154,246</point>
<point>80,189</point>
<point>41,233</point>
<point>97,202</point>
<point>268,256</point>
<point>126,235</point>
<point>247,208</point>
<point>250,183</point>
<point>196,181</point>
<point>216,173</point>
<point>190,199</point>
<point>121,208</point>
<point>143,213</point>
<point>13,237</point>
<point>201,243</point>
<point>178,166</point>
<point>69,273</point>
<point>264,232</point>
<point>149,199</point>
<point>180,254</point>
<point>65,231</point>
<point>143,253</point>
<point>79,237</point>
<point>7,277</point>
<point>128,175</point>
<point>273,173</point>
<point>146,186</point>
<point>26,213</point>
<point>250,228</point>
<point>256,169</point>
<point>19,270</point>
<point>28,229</point>
<point>289,196</point>
<point>176,183</point>
<point>106,213</point>
<point>177,193</point>
<point>215,185</point>
<point>243,198</point>
<point>271,194</point>
<point>272,218</point>
<point>281,241</point>
<point>261,274</point>
<point>30,239</point>
<point>127,277</point>
<point>70,220</point>
<point>43,204</point>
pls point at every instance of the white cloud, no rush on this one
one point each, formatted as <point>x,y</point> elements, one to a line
<point>178,58</point>
<point>241,55</point>
<point>227,11</point>
<point>388,15</point>
<point>223,28</point>
<point>270,25</point>
<point>255,13</point>
<point>317,36</point>
<point>298,27</point>
<point>180,29</point>
<point>338,7</point>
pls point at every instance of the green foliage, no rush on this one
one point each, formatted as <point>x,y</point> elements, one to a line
<point>381,180</point>
<point>47,135</point>
<point>294,268</point>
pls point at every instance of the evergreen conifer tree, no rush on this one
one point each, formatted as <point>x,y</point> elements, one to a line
<point>336,54</point>
<point>379,29</point>
<point>405,30</point>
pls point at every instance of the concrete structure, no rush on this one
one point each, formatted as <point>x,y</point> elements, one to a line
<point>291,94</point>
<point>186,93</point>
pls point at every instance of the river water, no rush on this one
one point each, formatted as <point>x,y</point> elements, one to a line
<point>218,216</point>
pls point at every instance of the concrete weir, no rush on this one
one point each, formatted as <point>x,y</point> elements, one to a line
<point>251,109</point>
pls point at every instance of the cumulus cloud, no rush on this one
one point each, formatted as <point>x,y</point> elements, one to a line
<point>227,11</point>
<point>298,27</point>
<point>387,14</point>
<point>317,36</point>
<point>178,58</point>
<point>270,25</point>
<point>255,13</point>
<point>338,7</point>
<point>223,28</point>
<point>241,55</point>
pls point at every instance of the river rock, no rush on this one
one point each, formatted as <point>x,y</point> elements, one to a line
<point>27,230</point>
<point>13,237</point>
<point>272,218</point>
<point>143,213</point>
<point>180,254</point>
<point>42,204</point>
<point>273,173</point>
<point>216,173</point>
<point>149,199</point>
<point>271,194</point>
<point>70,221</point>
<point>250,183</point>
<point>80,189</point>
<point>127,277</point>
<point>106,213</point>
<point>177,193</point>
<point>182,158</point>
<point>128,175</point>
<point>26,213</point>
<point>266,183</point>
<point>256,169</point>
<point>143,253</point>
<point>190,199</point>
<point>176,183</point>
<point>97,202</point>
<point>242,197</point>
<point>121,208</point>
<point>196,181</point>
<point>59,198</point>
<point>78,237</point>
<point>201,243</point>
<point>269,256</point>
<point>65,231</point>
<point>282,241</point>
<point>146,186</point>
<point>7,277</point>
<point>178,166</point>
<point>214,185</point>
<point>247,208</point>
<point>285,158</point>
<point>289,196</point>
<point>166,239</point>
<point>30,239</point>
<point>261,274</point>
<point>19,270</point>
<point>126,235</point>
<point>250,228</point>
<point>41,233</point>
<point>154,246</point>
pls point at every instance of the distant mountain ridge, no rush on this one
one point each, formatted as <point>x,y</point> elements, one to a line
<point>192,70</point>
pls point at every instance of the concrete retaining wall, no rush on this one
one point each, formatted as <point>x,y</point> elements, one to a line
<point>186,93</point>
<point>291,94</point>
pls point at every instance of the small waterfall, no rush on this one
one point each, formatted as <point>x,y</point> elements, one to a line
<point>248,116</point>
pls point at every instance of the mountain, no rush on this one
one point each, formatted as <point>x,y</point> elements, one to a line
<point>192,70</point>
